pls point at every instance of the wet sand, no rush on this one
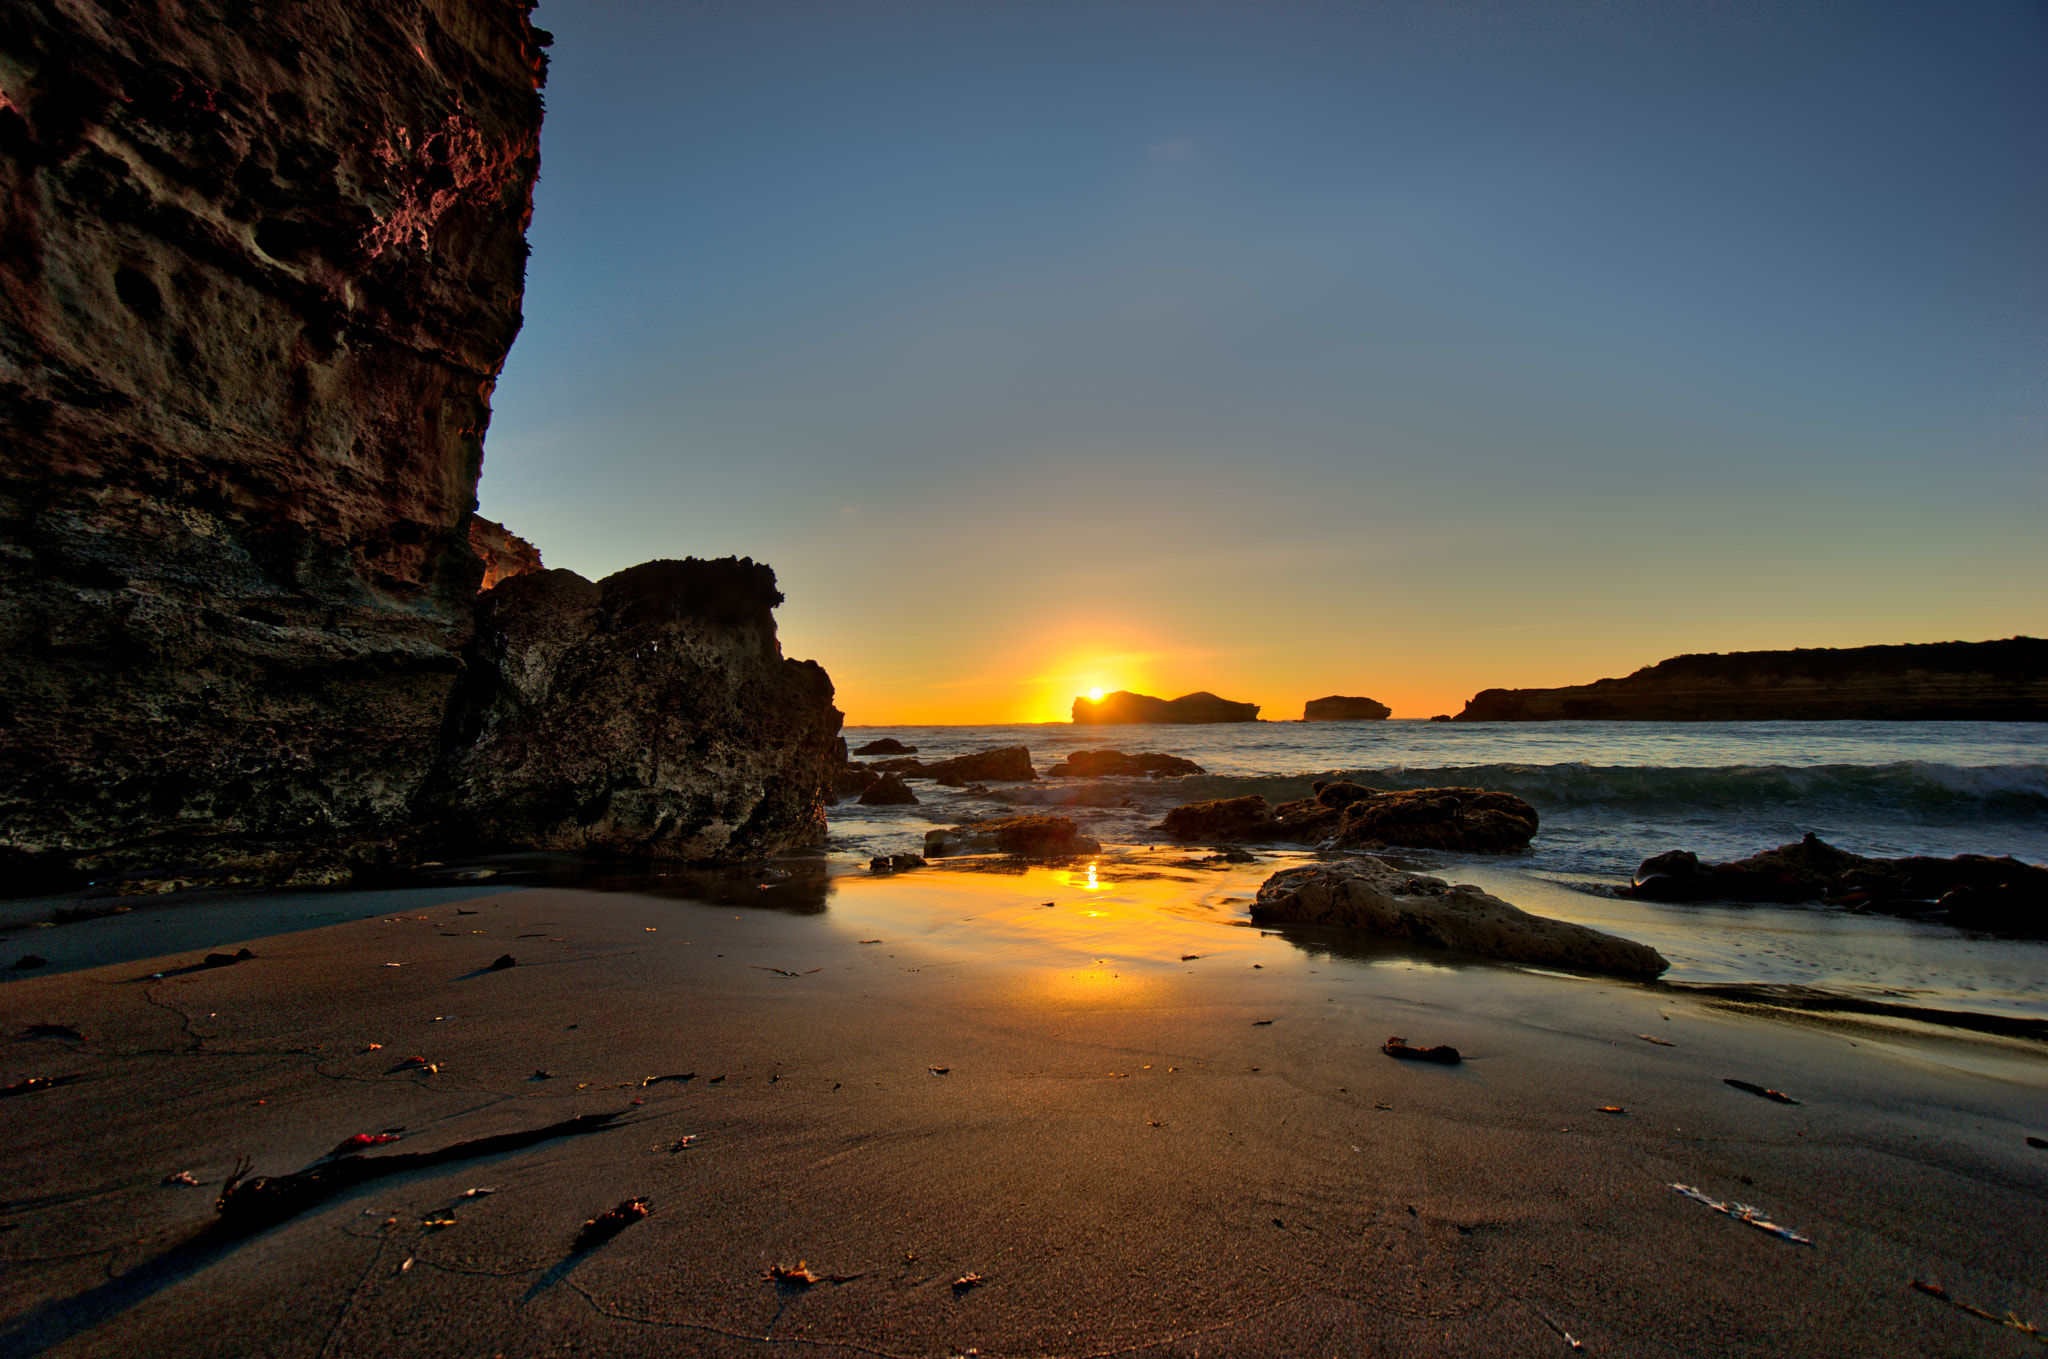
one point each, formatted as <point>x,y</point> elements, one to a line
<point>1125,1149</point>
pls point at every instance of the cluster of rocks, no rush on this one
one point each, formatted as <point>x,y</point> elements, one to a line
<point>882,783</point>
<point>1099,764</point>
<point>1972,891</point>
<point>1345,815</point>
<point>1029,837</point>
<point>1370,895</point>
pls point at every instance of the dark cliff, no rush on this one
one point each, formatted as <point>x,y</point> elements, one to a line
<point>1125,706</point>
<point>1982,681</point>
<point>259,269</point>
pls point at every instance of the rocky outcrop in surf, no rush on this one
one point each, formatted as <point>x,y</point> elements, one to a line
<point>1030,837</point>
<point>1126,707</point>
<point>1370,895</point>
<point>2005,681</point>
<point>1100,764</point>
<point>259,281</point>
<point>1999,895</point>
<point>1003,764</point>
<point>1351,816</point>
<point>1337,708</point>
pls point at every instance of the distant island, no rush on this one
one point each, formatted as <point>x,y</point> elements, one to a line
<point>2005,681</point>
<point>1124,706</point>
<point>1337,708</point>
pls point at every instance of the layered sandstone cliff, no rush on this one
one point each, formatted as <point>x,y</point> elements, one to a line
<point>259,269</point>
<point>1983,681</point>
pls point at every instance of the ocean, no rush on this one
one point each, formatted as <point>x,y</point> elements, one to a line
<point>1610,794</point>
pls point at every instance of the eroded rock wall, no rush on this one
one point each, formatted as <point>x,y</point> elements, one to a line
<point>259,267</point>
<point>2004,681</point>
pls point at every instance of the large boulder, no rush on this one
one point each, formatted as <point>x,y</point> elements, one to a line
<point>1370,895</point>
<point>1096,764</point>
<point>888,790</point>
<point>1460,820</point>
<point>649,714</point>
<point>1338,708</point>
<point>1976,891</point>
<point>1235,818</point>
<point>1124,706</point>
<point>886,745</point>
<point>1030,837</point>
<point>1004,764</point>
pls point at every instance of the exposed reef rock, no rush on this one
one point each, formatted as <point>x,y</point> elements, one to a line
<point>1124,706</point>
<point>887,745</point>
<point>1979,681</point>
<point>1352,816</point>
<point>259,271</point>
<point>1971,891</point>
<point>1031,837</point>
<point>1368,894</point>
<point>887,790</point>
<point>650,714</point>
<point>504,553</point>
<point>1004,764</point>
<point>1097,764</point>
<point>1337,708</point>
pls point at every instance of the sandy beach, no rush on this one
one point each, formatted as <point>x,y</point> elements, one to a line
<point>1020,1113</point>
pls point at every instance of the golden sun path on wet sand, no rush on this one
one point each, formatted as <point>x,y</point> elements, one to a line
<point>1035,1112</point>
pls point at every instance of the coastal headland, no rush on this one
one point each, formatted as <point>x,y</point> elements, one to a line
<point>1124,706</point>
<point>2003,681</point>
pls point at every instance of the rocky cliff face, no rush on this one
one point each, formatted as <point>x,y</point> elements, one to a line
<point>259,268</point>
<point>1125,706</point>
<point>1982,681</point>
<point>504,554</point>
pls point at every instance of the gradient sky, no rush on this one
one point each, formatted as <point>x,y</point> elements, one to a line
<point>1283,348</point>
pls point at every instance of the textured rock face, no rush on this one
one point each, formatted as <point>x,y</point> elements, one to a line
<point>1233,818</point>
<point>1124,706</point>
<point>1350,815</point>
<point>259,267</point>
<point>1031,837</point>
<point>1337,708</point>
<point>1368,894</point>
<point>1004,764</point>
<point>503,553</point>
<point>649,714</point>
<point>1983,681</point>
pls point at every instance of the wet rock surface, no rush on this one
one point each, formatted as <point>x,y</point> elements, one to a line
<point>1031,837</point>
<point>1369,895</point>
<point>887,790</point>
<point>1095,764</point>
<point>2000,895</point>
<point>1004,764</point>
<point>1350,815</point>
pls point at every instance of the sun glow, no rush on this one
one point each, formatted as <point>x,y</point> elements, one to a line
<point>1096,693</point>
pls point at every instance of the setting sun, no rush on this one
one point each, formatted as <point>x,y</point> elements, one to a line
<point>1096,693</point>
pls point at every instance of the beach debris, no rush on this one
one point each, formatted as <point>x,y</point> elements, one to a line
<point>181,1177</point>
<point>1742,1212</point>
<point>1660,1042</point>
<point>783,972</point>
<point>939,1070</point>
<point>1190,957</point>
<point>34,1083</point>
<point>404,1265</point>
<point>2010,1320</point>
<point>1562,1333</point>
<point>1609,1109</point>
<point>2040,1143</point>
<point>967,1281</point>
<point>1260,1023</point>
<point>396,965</point>
<point>369,1047</point>
<point>226,959</point>
<point>540,1075</point>
<point>869,941</point>
<point>52,1031</point>
<point>349,1146</point>
<point>682,1143</point>
<point>250,1203</point>
<point>29,960</point>
<point>605,1226</point>
<point>799,1277</point>
<point>1778,1095</point>
<point>460,911</point>
<point>680,1077</point>
<point>501,962</point>
<point>479,1192</point>
<point>436,1223</point>
<point>1381,1104</point>
<point>716,1080</point>
<point>1398,1047</point>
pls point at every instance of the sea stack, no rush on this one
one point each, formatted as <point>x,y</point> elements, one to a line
<point>1337,708</point>
<point>260,282</point>
<point>1126,707</point>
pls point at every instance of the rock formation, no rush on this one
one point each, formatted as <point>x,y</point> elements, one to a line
<point>1337,708</point>
<point>650,714</point>
<point>1031,837</point>
<point>887,790</point>
<point>1368,894</point>
<point>1004,764</point>
<point>1351,816</point>
<point>887,745</point>
<point>1982,681</point>
<point>504,553</point>
<point>1124,706</point>
<point>1097,764</point>
<point>1972,891</point>
<point>258,279</point>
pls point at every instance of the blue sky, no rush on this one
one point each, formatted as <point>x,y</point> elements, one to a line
<point>1284,348</point>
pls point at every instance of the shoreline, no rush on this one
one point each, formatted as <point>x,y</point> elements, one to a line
<point>1135,1138</point>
